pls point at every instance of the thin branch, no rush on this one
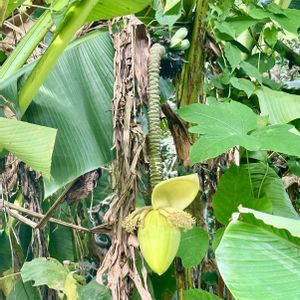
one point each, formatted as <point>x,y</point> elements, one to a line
<point>21,218</point>
<point>9,206</point>
<point>55,206</point>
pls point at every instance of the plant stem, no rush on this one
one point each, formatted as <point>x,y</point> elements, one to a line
<point>25,47</point>
<point>191,88</point>
<point>156,53</point>
<point>73,20</point>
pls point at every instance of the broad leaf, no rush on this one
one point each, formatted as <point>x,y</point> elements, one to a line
<point>222,125</point>
<point>261,61</point>
<point>267,184</point>
<point>281,107</point>
<point>170,4</point>
<point>61,242</point>
<point>232,28</point>
<point>108,9</point>
<point>217,238</point>
<point>251,71</point>
<point>233,55</point>
<point>288,20</point>
<point>261,251</point>
<point>225,125</point>
<point>198,294</point>
<point>29,42</point>
<point>76,99</point>
<point>5,252</point>
<point>295,4</point>
<point>244,85</point>
<point>31,143</point>
<point>45,271</point>
<point>94,290</point>
<point>196,241</point>
<point>166,18</point>
<point>235,189</point>
<point>279,138</point>
<point>23,291</point>
<point>256,186</point>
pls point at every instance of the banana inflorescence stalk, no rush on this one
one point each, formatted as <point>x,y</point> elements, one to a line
<point>156,53</point>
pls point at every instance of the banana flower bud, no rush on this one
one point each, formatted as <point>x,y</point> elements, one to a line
<point>159,225</point>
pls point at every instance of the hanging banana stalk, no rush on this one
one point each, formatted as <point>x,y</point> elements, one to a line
<point>156,53</point>
<point>158,226</point>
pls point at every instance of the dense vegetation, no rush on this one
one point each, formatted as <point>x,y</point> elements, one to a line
<point>149,149</point>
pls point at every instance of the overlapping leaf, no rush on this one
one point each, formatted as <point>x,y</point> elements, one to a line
<point>196,240</point>
<point>108,9</point>
<point>256,186</point>
<point>5,251</point>
<point>76,99</point>
<point>45,271</point>
<point>224,125</point>
<point>281,107</point>
<point>261,251</point>
<point>31,143</point>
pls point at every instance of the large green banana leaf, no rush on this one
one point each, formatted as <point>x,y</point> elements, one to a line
<point>31,143</point>
<point>107,9</point>
<point>76,99</point>
<point>259,256</point>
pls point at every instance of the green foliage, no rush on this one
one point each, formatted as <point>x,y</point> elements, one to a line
<point>258,246</point>
<point>255,186</point>
<point>5,252</point>
<point>46,271</point>
<point>30,41</point>
<point>170,4</point>
<point>281,107</point>
<point>243,84</point>
<point>108,9</point>
<point>61,243</point>
<point>11,6</point>
<point>74,18</point>
<point>226,125</point>
<point>83,72</point>
<point>32,144</point>
<point>94,290</point>
<point>233,55</point>
<point>197,294</point>
<point>196,241</point>
<point>260,250</point>
<point>24,291</point>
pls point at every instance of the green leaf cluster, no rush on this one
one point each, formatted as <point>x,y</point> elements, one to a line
<point>222,126</point>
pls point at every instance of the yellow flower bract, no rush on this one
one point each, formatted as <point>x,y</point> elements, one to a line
<point>159,225</point>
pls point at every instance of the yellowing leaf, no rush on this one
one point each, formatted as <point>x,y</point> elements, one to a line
<point>176,192</point>
<point>71,287</point>
<point>6,282</point>
<point>159,241</point>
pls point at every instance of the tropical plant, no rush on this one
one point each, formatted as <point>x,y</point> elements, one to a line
<point>149,149</point>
